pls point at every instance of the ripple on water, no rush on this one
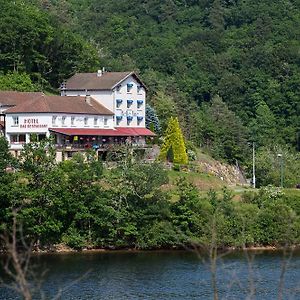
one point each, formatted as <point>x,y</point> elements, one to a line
<point>160,275</point>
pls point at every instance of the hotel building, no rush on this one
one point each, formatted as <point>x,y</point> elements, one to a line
<point>95,110</point>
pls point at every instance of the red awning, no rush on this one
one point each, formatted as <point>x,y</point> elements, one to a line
<point>119,131</point>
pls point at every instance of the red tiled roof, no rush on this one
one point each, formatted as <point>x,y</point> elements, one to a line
<point>11,98</point>
<point>90,81</point>
<point>119,131</point>
<point>59,104</point>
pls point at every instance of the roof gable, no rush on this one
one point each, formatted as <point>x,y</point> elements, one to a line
<point>92,81</point>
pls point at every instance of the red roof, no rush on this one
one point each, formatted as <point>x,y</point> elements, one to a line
<point>119,131</point>
<point>90,81</point>
<point>59,104</point>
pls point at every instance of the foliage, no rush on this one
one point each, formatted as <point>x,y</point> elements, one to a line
<point>6,159</point>
<point>223,132</point>
<point>186,52</point>
<point>152,119</point>
<point>270,167</point>
<point>81,203</point>
<point>17,82</point>
<point>174,142</point>
<point>33,42</point>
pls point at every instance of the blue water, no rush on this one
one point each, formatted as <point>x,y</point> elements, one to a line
<point>160,275</point>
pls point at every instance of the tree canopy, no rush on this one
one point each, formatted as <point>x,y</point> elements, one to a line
<point>246,52</point>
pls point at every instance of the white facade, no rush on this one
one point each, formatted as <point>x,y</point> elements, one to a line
<point>20,126</point>
<point>127,101</point>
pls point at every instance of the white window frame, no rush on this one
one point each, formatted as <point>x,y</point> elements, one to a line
<point>95,121</point>
<point>63,120</point>
<point>54,118</point>
<point>15,121</point>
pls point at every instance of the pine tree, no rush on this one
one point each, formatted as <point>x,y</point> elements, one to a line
<point>174,145</point>
<point>151,118</point>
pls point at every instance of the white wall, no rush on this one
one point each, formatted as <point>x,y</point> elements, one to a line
<point>104,97</point>
<point>40,124</point>
<point>133,110</point>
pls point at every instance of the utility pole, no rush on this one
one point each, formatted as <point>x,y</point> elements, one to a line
<point>253,166</point>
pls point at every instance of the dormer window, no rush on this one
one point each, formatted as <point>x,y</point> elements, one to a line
<point>129,103</point>
<point>129,87</point>
<point>119,102</point>
<point>140,103</point>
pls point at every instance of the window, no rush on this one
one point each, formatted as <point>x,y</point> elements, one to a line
<point>129,87</point>
<point>119,119</point>
<point>41,137</point>
<point>16,121</point>
<point>119,88</point>
<point>72,121</point>
<point>22,138</point>
<point>13,138</point>
<point>54,120</point>
<point>17,138</point>
<point>129,103</point>
<point>139,89</point>
<point>119,102</point>
<point>95,121</point>
<point>129,120</point>
<point>86,121</point>
<point>105,121</point>
<point>63,121</point>
<point>140,103</point>
<point>139,120</point>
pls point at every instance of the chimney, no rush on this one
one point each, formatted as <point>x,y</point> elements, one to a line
<point>88,99</point>
<point>99,73</point>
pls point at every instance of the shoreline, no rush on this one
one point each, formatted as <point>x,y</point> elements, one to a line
<point>67,250</point>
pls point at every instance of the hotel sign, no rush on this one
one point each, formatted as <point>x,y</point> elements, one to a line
<point>32,123</point>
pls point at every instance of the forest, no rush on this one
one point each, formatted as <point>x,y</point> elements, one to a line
<point>84,204</point>
<point>228,69</point>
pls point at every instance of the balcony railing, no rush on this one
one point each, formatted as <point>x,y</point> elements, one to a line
<point>98,146</point>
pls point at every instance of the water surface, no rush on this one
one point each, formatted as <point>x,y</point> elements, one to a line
<point>161,275</point>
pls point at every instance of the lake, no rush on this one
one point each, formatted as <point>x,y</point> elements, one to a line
<point>161,275</point>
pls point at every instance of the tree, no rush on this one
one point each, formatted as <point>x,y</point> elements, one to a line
<point>174,142</point>
<point>223,132</point>
<point>6,158</point>
<point>17,82</point>
<point>268,166</point>
<point>165,108</point>
<point>152,119</point>
<point>263,127</point>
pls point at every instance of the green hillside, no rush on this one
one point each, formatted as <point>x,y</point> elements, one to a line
<point>229,69</point>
